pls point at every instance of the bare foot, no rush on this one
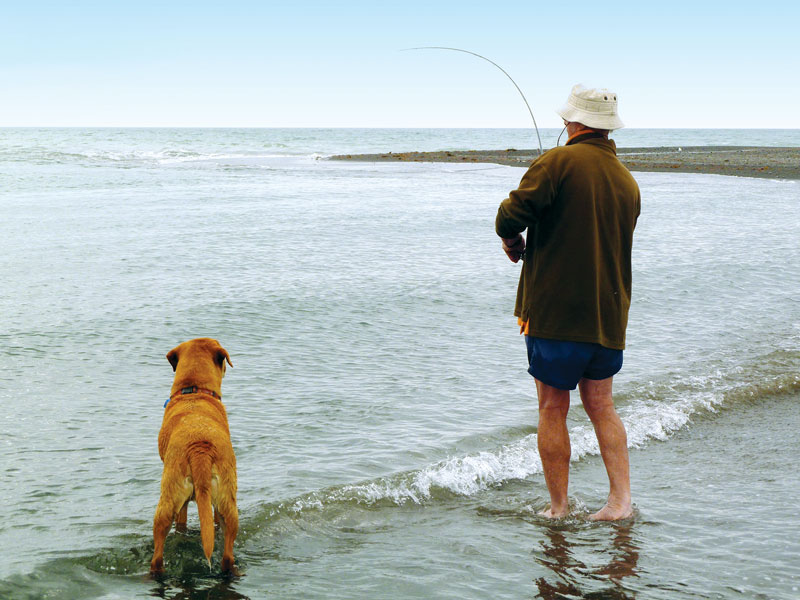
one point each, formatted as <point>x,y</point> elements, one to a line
<point>554,514</point>
<point>613,512</point>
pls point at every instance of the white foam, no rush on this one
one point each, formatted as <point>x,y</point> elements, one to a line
<point>468,475</point>
<point>167,157</point>
<point>219,157</point>
<point>656,413</point>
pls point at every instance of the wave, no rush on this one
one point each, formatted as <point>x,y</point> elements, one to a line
<point>651,412</point>
<point>42,156</point>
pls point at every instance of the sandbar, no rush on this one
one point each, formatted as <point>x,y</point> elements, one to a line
<point>743,161</point>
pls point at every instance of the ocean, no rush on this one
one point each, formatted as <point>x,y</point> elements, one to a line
<point>381,414</point>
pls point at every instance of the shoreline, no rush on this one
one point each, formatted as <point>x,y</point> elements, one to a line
<point>742,161</point>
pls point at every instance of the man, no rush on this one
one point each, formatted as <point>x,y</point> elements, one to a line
<point>580,206</point>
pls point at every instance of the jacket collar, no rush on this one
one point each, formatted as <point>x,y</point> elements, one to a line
<point>595,139</point>
<point>583,136</point>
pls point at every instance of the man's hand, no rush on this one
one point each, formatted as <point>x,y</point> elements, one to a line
<point>514,247</point>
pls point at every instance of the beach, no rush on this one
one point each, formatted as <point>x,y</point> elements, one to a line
<point>741,161</point>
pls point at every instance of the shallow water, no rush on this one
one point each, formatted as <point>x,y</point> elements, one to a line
<point>383,421</point>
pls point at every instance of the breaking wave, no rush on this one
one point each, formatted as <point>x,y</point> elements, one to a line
<point>138,158</point>
<point>653,412</point>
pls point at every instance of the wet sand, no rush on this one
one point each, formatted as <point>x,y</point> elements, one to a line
<point>742,161</point>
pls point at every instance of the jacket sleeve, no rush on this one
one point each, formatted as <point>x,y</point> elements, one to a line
<point>524,206</point>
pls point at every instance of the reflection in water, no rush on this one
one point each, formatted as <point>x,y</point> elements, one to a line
<point>186,590</point>
<point>574,578</point>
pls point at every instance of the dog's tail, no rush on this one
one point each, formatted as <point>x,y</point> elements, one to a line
<point>200,464</point>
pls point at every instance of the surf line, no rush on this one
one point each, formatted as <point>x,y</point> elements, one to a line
<point>499,67</point>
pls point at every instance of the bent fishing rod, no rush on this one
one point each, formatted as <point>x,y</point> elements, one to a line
<point>504,73</point>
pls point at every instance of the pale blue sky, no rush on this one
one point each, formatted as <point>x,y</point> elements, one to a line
<point>311,64</point>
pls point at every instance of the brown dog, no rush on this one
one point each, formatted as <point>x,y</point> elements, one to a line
<point>195,445</point>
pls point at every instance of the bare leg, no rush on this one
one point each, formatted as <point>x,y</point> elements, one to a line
<point>597,400</point>
<point>554,446</point>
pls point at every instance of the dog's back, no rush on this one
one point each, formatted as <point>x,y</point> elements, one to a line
<point>194,443</point>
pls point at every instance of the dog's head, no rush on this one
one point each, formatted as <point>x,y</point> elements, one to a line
<point>196,355</point>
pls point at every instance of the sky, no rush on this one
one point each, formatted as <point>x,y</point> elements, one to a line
<point>300,63</point>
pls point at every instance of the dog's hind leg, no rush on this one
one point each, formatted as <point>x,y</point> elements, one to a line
<point>161,526</point>
<point>175,494</point>
<point>230,525</point>
<point>180,520</point>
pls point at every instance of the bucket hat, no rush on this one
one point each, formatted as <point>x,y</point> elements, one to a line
<point>595,107</point>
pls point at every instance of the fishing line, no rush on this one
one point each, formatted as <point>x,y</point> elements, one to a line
<point>504,73</point>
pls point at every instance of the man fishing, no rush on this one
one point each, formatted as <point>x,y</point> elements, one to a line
<point>580,206</point>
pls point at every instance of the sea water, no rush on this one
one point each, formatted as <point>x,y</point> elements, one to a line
<point>383,421</point>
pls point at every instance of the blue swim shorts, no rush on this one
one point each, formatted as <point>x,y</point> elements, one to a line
<point>562,364</point>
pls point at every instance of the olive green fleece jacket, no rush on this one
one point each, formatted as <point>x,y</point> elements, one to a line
<point>580,206</point>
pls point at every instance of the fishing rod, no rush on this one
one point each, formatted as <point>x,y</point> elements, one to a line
<point>504,73</point>
<point>558,141</point>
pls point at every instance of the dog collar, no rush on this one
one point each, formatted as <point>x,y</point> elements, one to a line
<point>193,390</point>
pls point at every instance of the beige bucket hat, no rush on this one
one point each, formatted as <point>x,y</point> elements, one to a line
<point>595,107</point>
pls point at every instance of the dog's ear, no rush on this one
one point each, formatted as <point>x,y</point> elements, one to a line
<point>221,356</point>
<point>172,357</point>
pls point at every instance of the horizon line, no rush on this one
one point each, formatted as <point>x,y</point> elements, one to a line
<point>360,127</point>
